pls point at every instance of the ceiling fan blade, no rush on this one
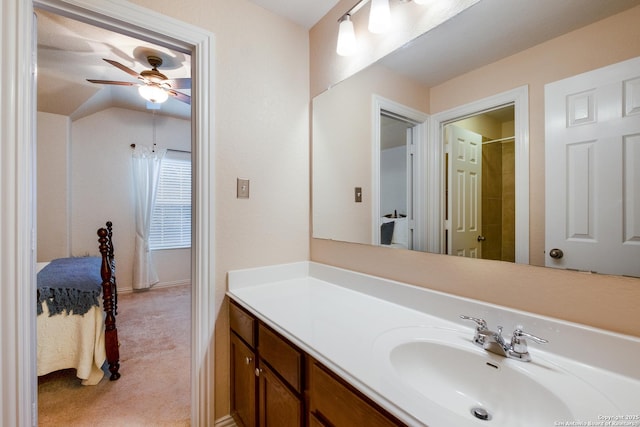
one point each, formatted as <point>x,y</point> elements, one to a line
<point>111,82</point>
<point>122,67</point>
<point>180,83</point>
<point>180,96</point>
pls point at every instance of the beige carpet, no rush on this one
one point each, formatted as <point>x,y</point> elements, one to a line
<point>154,390</point>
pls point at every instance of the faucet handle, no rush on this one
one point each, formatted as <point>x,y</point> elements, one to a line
<point>519,348</point>
<point>481,329</point>
<point>518,333</point>
<point>480,323</point>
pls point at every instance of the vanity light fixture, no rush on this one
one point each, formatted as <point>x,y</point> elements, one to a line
<point>346,37</point>
<point>153,93</point>
<point>379,16</point>
<point>379,22</point>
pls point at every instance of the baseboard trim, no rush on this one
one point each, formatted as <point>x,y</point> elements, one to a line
<point>226,421</point>
<point>156,286</point>
<point>170,284</point>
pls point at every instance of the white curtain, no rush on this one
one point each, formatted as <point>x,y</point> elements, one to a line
<point>146,173</point>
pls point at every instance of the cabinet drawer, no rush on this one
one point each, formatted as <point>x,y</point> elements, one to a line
<point>242,323</point>
<point>339,406</point>
<point>283,357</point>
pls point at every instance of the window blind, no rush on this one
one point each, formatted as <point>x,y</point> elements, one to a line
<point>171,219</point>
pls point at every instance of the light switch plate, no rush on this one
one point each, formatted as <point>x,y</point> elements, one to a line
<point>358,194</point>
<point>242,191</point>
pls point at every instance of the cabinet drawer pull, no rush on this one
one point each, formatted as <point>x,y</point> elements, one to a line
<point>248,360</point>
<point>258,371</point>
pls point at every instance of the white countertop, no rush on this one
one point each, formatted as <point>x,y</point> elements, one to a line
<point>339,317</point>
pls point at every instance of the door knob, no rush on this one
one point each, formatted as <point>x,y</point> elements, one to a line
<point>556,253</point>
<point>481,238</point>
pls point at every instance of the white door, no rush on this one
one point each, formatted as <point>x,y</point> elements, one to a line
<point>464,192</point>
<point>592,160</point>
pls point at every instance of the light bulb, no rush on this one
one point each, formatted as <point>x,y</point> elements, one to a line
<point>346,37</point>
<point>379,16</point>
<point>154,94</point>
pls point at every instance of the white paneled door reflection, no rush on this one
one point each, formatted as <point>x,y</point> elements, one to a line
<point>592,152</point>
<point>465,198</point>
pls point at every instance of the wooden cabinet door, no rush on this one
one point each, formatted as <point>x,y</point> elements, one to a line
<point>243,383</point>
<point>279,406</point>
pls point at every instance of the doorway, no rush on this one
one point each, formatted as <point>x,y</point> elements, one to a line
<point>480,185</point>
<point>88,133</point>
<point>437,161</point>
<point>396,181</point>
<point>398,167</point>
<point>143,23</point>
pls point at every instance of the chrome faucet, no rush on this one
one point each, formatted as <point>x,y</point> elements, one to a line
<point>493,341</point>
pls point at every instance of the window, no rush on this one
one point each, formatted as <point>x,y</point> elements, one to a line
<point>171,219</point>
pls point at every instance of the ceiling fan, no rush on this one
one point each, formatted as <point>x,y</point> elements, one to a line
<point>153,86</point>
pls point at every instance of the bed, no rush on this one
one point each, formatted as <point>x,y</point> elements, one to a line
<point>77,308</point>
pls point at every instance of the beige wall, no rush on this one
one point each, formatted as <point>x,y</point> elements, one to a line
<point>53,186</point>
<point>607,302</point>
<point>261,134</point>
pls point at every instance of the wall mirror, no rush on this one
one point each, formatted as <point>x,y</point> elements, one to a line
<point>376,152</point>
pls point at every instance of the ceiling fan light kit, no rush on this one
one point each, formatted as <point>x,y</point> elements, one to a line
<point>153,93</point>
<point>153,86</point>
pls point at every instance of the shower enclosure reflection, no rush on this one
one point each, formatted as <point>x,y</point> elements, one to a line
<point>480,186</point>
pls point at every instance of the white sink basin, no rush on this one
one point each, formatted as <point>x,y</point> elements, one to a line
<point>450,381</point>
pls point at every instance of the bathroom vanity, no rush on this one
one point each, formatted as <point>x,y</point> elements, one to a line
<point>318,345</point>
<point>271,376</point>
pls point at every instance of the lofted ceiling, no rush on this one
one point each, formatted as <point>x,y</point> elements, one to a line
<point>69,52</point>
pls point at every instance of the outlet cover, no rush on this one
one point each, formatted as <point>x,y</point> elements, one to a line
<point>242,191</point>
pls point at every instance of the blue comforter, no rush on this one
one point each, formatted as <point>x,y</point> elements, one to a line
<point>71,285</point>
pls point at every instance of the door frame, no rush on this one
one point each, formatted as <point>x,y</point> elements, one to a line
<point>21,44</point>
<point>421,119</point>
<point>519,97</point>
